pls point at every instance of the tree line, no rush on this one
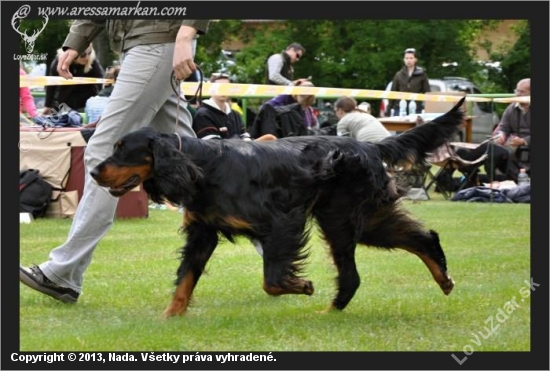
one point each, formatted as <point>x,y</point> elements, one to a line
<point>362,54</point>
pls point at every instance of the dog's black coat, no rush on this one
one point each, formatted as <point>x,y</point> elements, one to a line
<point>268,191</point>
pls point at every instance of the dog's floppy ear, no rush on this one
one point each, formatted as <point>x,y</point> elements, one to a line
<point>174,174</point>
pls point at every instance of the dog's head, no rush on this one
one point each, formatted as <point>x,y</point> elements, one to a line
<point>148,157</point>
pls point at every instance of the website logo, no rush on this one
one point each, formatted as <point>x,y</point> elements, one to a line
<point>29,40</point>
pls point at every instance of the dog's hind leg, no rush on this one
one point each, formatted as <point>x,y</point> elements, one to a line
<point>201,242</point>
<point>391,227</point>
<point>280,277</point>
<point>275,283</point>
<point>283,255</point>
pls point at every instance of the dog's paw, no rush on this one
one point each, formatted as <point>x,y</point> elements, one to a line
<point>173,310</point>
<point>167,314</point>
<point>308,287</point>
<point>448,286</point>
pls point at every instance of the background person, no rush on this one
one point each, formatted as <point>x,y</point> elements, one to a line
<point>514,131</point>
<point>95,105</point>
<point>74,96</point>
<point>365,107</point>
<point>412,79</point>
<point>515,124</point>
<point>357,123</point>
<point>26,100</point>
<point>305,101</point>
<point>215,119</point>
<point>279,70</point>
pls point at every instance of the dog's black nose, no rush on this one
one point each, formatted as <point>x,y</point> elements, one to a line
<point>95,173</point>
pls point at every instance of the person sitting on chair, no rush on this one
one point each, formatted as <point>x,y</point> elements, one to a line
<point>215,119</point>
<point>513,133</point>
<point>305,102</point>
<point>515,125</point>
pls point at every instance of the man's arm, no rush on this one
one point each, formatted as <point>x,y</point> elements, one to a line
<point>201,25</point>
<point>183,60</point>
<point>507,125</point>
<point>504,126</point>
<point>274,65</point>
<point>81,34</point>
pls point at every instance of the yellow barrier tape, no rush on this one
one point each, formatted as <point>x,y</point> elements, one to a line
<point>263,91</point>
<point>253,90</point>
<point>27,81</point>
<point>522,99</point>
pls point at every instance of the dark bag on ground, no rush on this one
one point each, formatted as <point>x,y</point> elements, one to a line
<point>34,193</point>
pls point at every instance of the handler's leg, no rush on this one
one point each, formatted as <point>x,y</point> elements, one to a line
<point>141,91</point>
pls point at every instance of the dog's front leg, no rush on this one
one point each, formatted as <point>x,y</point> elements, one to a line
<point>182,295</point>
<point>201,242</point>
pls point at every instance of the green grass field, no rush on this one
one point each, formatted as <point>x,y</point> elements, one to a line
<point>398,306</point>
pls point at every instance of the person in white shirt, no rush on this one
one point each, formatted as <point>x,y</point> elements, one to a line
<point>357,123</point>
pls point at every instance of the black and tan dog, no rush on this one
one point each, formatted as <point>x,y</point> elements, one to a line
<point>269,190</point>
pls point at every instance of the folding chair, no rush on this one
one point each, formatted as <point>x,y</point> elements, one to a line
<point>448,161</point>
<point>412,179</point>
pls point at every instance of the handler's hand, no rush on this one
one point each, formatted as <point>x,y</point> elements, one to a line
<point>501,139</point>
<point>65,61</point>
<point>182,62</point>
<point>517,141</point>
<point>299,82</point>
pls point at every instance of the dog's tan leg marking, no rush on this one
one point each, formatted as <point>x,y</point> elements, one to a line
<point>179,303</point>
<point>237,223</point>
<point>188,218</point>
<point>442,278</point>
<point>293,286</point>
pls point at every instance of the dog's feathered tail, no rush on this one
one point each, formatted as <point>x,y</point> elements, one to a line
<point>413,145</point>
